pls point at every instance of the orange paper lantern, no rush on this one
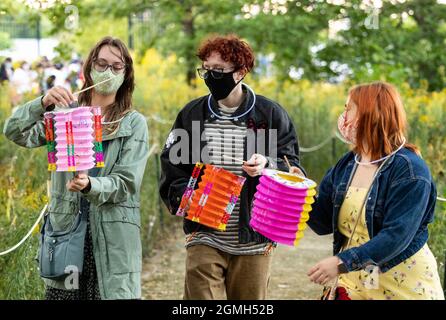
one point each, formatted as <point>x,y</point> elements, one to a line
<point>215,198</point>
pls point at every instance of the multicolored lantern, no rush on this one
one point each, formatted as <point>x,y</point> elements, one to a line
<point>282,205</point>
<point>71,135</point>
<point>189,189</point>
<point>215,199</point>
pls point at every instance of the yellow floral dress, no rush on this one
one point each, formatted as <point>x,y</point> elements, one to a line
<point>415,278</point>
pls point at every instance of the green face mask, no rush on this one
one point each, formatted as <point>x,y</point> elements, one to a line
<point>108,87</point>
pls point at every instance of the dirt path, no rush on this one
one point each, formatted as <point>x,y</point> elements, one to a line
<point>163,272</point>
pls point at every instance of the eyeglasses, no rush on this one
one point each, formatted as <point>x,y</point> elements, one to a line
<point>101,65</point>
<point>215,73</point>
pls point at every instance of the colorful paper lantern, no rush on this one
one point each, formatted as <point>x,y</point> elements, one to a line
<point>215,199</point>
<point>189,189</point>
<point>74,139</point>
<point>282,205</point>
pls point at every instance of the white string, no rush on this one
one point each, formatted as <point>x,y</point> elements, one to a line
<point>158,119</point>
<point>340,137</point>
<point>152,150</point>
<point>316,147</point>
<point>238,116</point>
<point>150,153</point>
<point>381,159</point>
<point>111,122</point>
<point>232,158</point>
<point>301,149</point>
<point>95,85</point>
<point>42,213</point>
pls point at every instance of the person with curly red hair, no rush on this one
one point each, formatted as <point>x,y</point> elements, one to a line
<point>234,123</point>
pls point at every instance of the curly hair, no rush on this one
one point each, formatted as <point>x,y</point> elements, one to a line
<point>231,49</point>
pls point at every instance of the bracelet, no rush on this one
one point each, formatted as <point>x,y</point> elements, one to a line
<point>87,188</point>
<point>51,107</point>
<point>342,268</point>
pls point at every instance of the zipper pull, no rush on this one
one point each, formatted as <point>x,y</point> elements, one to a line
<point>51,251</point>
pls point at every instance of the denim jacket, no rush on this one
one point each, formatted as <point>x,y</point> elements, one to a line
<point>399,207</point>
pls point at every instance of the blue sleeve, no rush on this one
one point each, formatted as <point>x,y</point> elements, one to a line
<point>321,216</point>
<point>402,218</point>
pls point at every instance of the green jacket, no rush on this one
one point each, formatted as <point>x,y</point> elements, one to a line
<point>114,197</point>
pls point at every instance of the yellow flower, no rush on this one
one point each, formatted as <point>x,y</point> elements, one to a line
<point>424,118</point>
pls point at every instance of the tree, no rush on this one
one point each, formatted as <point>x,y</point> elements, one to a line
<point>400,41</point>
<point>406,44</point>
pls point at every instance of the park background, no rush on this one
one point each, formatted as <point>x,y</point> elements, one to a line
<point>309,53</point>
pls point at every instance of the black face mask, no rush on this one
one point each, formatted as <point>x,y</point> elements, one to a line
<point>221,88</point>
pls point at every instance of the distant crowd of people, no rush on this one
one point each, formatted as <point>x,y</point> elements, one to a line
<point>40,76</point>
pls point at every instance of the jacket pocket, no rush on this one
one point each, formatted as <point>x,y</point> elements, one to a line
<point>378,216</point>
<point>62,212</point>
<point>121,227</point>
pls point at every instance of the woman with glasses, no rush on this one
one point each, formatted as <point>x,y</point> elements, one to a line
<point>109,196</point>
<point>234,264</point>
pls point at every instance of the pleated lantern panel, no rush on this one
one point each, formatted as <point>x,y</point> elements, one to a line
<point>281,206</point>
<point>74,139</point>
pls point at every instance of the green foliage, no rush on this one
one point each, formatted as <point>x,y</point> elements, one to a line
<point>5,42</point>
<point>23,172</point>
<point>399,42</point>
<point>405,44</point>
<point>64,51</point>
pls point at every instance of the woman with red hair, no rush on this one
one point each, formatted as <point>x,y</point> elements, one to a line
<point>377,201</point>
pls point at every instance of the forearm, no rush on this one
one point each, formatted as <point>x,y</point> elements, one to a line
<point>25,127</point>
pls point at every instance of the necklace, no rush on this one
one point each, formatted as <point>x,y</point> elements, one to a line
<point>381,159</point>
<point>235,117</point>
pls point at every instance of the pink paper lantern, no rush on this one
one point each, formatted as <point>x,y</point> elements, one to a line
<point>74,139</point>
<point>282,205</point>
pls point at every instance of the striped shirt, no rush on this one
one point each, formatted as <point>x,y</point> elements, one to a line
<point>225,137</point>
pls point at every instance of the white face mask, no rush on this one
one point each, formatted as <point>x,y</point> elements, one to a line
<point>347,129</point>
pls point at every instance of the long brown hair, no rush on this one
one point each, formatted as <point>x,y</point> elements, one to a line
<point>123,101</point>
<point>382,124</point>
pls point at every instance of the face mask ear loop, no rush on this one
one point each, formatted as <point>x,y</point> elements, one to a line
<point>345,118</point>
<point>236,84</point>
<point>339,133</point>
<point>241,78</point>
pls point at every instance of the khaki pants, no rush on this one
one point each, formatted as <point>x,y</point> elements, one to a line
<point>215,275</point>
